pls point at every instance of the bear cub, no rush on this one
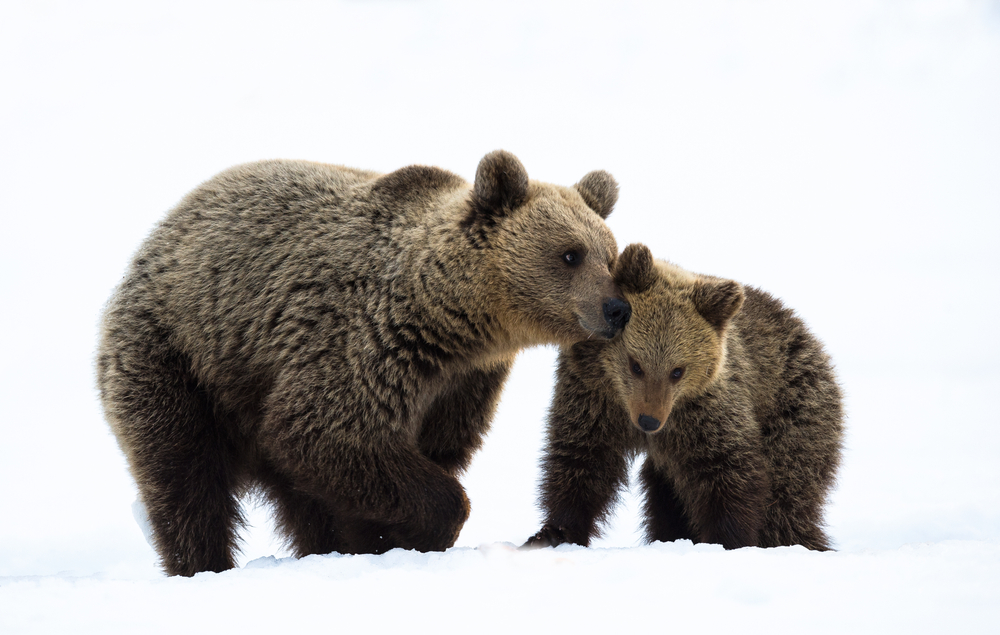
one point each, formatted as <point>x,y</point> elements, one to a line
<point>336,340</point>
<point>732,400</point>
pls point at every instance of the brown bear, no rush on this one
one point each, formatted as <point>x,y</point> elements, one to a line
<point>732,400</point>
<point>337,340</point>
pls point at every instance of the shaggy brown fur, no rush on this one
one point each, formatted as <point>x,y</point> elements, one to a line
<point>733,401</point>
<point>338,339</point>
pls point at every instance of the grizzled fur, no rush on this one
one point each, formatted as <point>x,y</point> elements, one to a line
<point>337,340</point>
<point>732,400</point>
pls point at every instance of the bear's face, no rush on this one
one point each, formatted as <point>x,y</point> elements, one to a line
<point>552,252</point>
<point>674,345</point>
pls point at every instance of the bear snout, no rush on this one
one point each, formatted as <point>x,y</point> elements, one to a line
<point>649,424</point>
<point>617,313</point>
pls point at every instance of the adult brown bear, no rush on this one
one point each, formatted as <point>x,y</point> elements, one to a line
<point>338,339</point>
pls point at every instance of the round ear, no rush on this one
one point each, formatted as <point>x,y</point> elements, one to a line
<point>599,191</point>
<point>501,182</point>
<point>717,301</point>
<point>634,270</point>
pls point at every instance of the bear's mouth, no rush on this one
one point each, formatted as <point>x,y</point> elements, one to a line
<point>606,331</point>
<point>614,315</point>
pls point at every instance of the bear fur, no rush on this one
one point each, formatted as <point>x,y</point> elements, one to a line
<point>732,400</point>
<point>337,340</point>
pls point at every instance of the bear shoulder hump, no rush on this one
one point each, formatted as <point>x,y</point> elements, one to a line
<point>416,180</point>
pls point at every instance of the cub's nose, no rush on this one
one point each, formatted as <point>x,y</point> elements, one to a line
<point>649,424</point>
<point>616,313</point>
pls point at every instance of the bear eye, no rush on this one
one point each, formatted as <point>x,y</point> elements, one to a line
<point>676,374</point>
<point>572,258</point>
<point>636,369</point>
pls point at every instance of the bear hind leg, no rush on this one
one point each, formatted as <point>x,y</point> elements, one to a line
<point>664,517</point>
<point>190,497</point>
<point>195,528</point>
<point>184,466</point>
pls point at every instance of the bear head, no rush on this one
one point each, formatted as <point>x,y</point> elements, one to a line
<point>675,344</point>
<point>550,251</point>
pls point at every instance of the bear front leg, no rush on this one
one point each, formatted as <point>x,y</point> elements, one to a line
<point>547,536</point>
<point>580,484</point>
<point>410,503</point>
<point>586,458</point>
<point>375,483</point>
<point>730,504</point>
<point>732,518</point>
<point>336,438</point>
<point>309,525</point>
<point>453,428</point>
<point>723,487</point>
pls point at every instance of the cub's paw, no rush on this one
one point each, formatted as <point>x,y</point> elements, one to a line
<point>547,536</point>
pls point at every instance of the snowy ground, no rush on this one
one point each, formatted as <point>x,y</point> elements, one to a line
<point>843,156</point>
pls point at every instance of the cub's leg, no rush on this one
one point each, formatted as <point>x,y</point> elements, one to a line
<point>586,458</point>
<point>724,492</point>
<point>664,518</point>
<point>803,442</point>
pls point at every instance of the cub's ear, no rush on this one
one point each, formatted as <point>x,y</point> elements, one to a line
<point>634,270</point>
<point>501,183</point>
<point>717,301</point>
<point>599,191</point>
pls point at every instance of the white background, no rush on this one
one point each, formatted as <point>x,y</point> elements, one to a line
<point>844,156</point>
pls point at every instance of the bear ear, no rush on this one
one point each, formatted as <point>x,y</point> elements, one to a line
<point>599,191</point>
<point>501,183</point>
<point>634,270</point>
<point>718,301</point>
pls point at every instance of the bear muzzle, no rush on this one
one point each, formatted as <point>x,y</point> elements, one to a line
<point>649,424</point>
<point>616,313</point>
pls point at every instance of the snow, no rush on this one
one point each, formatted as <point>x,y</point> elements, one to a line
<point>926,588</point>
<point>843,156</point>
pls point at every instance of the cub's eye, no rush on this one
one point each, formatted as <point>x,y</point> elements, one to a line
<point>572,258</point>
<point>636,369</point>
<point>676,373</point>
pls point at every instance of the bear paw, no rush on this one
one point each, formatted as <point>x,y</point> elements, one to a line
<point>547,536</point>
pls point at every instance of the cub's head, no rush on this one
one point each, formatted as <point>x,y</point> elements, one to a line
<point>675,343</point>
<point>551,251</point>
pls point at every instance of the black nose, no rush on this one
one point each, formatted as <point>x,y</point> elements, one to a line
<point>649,424</point>
<point>616,313</point>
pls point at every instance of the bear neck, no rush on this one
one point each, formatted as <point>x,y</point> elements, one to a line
<point>451,290</point>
